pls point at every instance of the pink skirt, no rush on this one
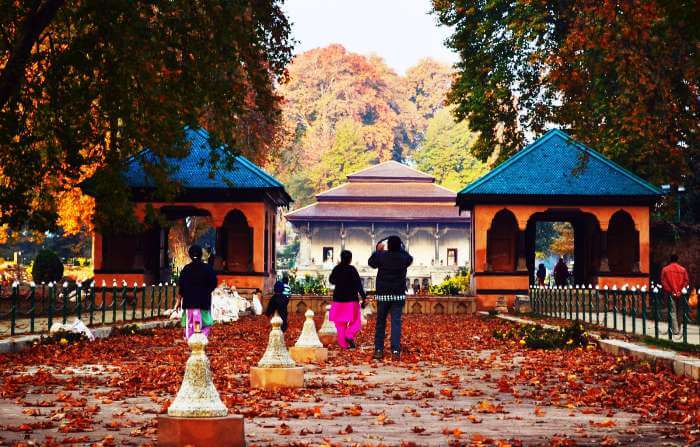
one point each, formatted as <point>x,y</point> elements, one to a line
<point>344,312</point>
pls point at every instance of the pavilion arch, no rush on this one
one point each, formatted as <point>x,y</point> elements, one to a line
<point>235,242</point>
<point>501,242</point>
<point>623,244</point>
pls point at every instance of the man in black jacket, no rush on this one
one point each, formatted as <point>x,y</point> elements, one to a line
<point>392,264</point>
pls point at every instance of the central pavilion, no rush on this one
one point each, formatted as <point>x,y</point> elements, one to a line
<point>383,200</point>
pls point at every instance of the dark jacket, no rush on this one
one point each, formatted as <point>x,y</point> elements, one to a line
<point>347,284</point>
<point>392,265</point>
<point>197,282</point>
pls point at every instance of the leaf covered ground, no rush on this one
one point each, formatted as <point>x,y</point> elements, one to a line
<point>455,385</point>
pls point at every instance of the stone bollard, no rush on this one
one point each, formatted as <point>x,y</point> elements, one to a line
<point>327,333</point>
<point>522,304</point>
<point>197,416</point>
<point>276,369</point>
<point>308,348</point>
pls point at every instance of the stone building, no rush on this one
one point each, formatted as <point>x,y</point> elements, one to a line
<point>383,200</point>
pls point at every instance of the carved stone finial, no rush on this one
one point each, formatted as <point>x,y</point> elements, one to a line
<point>276,354</point>
<point>308,337</point>
<point>197,397</point>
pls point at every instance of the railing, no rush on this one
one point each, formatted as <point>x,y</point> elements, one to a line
<point>635,310</point>
<point>32,308</point>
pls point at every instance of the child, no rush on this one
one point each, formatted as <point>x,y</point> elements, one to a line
<point>280,300</point>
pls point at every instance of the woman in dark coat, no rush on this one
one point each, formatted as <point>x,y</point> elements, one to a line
<point>197,282</point>
<point>345,308</point>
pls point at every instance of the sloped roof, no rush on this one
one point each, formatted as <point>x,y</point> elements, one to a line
<point>385,191</point>
<point>390,171</point>
<point>194,171</point>
<point>378,212</point>
<point>557,166</point>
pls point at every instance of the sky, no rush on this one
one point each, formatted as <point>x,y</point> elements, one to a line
<point>400,31</point>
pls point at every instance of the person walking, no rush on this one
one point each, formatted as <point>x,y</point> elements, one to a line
<point>541,274</point>
<point>561,273</point>
<point>196,283</point>
<point>280,300</point>
<point>391,262</point>
<point>674,278</point>
<point>345,308</point>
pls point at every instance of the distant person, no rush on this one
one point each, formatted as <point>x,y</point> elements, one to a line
<point>561,273</point>
<point>541,274</point>
<point>392,261</point>
<point>345,308</point>
<point>196,283</point>
<point>280,300</point>
<point>674,278</point>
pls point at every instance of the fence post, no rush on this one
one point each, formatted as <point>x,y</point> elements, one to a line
<point>643,294</point>
<point>52,297</point>
<point>92,302</point>
<point>32,303</point>
<point>606,298</point>
<point>633,310</point>
<point>655,303</point>
<point>597,304</point>
<point>103,306</point>
<point>123,303</point>
<point>78,300</point>
<point>166,298</point>
<point>13,309</point>
<point>143,302</point>
<point>614,294</point>
<point>136,301</point>
<point>65,302</point>
<point>684,313</point>
<point>623,294</point>
<point>114,300</point>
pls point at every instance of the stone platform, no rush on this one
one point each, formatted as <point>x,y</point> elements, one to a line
<point>273,378</point>
<point>308,354</point>
<point>225,431</point>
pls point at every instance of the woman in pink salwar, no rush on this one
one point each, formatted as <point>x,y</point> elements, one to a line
<point>345,308</point>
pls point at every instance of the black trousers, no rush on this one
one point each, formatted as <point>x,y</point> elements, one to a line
<point>279,303</point>
<point>384,308</point>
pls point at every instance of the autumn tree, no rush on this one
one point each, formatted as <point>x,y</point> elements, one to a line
<point>621,76</point>
<point>328,86</point>
<point>348,154</point>
<point>445,152</point>
<point>85,85</point>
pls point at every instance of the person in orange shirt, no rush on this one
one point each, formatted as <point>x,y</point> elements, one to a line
<point>674,278</point>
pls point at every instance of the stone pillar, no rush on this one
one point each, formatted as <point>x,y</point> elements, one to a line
<point>604,267</point>
<point>522,262</point>
<point>437,244</point>
<point>343,234</point>
<point>408,236</point>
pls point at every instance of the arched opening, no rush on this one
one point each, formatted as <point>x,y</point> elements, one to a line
<point>301,307</point>
<point>439,309</point>
<point>566,233</point>
<point>501,243</point>
<point>623,244</point>
<point>235,242</point>
<point>416,308</point>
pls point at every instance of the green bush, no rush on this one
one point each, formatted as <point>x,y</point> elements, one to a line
<point>535,336</point>
<point>308,286</point>
<point>452,286</point>
<point>47,267</point>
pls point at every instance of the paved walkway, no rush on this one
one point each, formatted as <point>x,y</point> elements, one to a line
<point>455,385</point>
<point>636,325</point>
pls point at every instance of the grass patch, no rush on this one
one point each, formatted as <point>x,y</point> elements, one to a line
<point>535,336</point>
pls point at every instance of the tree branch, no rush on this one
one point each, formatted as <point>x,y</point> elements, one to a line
<point>12,76</point>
